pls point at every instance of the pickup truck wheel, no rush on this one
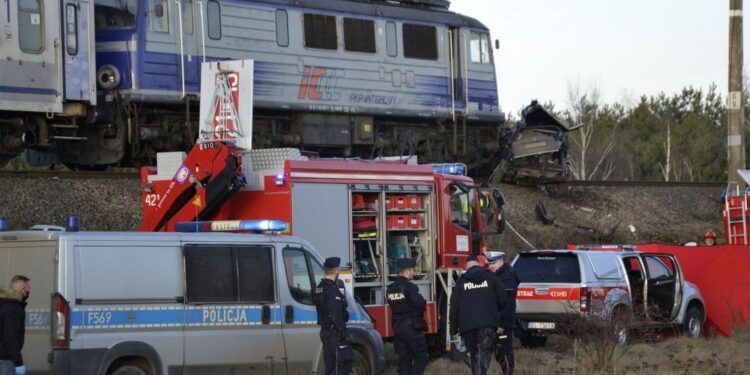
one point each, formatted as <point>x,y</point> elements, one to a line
<point>620,322</point>
<point>360,365</point>
<point>533,342</point>
<point>692,326</point>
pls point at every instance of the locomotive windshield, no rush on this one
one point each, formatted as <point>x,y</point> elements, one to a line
<point>115,14</point>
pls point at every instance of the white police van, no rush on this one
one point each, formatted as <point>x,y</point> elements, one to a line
<point>175,303</point>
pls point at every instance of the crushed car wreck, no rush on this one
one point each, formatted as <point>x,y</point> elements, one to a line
<point>535,151</point>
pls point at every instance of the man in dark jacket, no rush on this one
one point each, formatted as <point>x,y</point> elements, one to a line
<point>510,280</point>
<point>331,306</point>
<point>12,326</point>
<point>408,307</point>
<point>476,302</point>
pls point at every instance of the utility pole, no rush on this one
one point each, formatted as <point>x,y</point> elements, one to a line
<point>735,102</point>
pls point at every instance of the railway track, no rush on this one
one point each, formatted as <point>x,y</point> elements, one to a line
<point>70,175</point>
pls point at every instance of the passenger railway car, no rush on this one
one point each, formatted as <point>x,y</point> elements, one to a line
<point>335,77</point>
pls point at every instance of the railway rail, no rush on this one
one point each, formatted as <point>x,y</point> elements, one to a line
<point>639,183</point>
<point>133,175</point>
<point>70,175</point>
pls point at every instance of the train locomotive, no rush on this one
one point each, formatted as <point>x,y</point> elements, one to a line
<point>94,83</point>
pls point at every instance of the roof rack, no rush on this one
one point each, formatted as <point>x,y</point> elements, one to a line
<point>605,247</point>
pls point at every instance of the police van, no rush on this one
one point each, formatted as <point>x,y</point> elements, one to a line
<point>166,303</point>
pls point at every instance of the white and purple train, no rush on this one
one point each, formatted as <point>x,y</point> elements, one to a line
<point>92,83</point>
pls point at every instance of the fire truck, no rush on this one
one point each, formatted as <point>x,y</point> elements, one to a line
<point>368,213</point>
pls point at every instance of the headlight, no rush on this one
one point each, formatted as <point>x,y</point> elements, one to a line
<point>108,77</point>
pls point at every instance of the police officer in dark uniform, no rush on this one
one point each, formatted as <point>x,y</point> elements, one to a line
<point>408,307</point>
<point>331,306</point>
<point>476,302</point>
<point>510,280</point>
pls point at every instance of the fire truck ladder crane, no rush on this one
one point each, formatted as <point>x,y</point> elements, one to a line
<point>194,194</point>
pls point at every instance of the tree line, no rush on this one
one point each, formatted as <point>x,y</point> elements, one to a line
<point>678,137</point>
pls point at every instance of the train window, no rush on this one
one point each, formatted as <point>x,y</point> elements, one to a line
<point>214,20</point>
<point>160,16</point>
<point>391,41</point>
<point>359,35</point>
<point>282,28</point>
<point>115,14</point>
<point>187,17</point>
<point>320,31</point>
<point>480,48</point>
<point>71,32</point>
<point>420,42</point>
<point>30,26</point>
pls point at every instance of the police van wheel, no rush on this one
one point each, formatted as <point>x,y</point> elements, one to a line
<point>360,365</point>
<point>533,342</point>
<point>129,368</point>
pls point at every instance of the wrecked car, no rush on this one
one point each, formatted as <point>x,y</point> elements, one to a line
<point>536,150</point>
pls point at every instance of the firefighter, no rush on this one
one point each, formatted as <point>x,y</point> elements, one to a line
<point>509,278</point>
<point>331,306</point>
<point>709,239</point>
<point>476,302</point>
<point>408,307</point>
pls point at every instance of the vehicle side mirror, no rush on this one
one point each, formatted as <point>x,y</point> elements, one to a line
<point>499,203</point>
<point>159,10</point>
<point>497,44</point>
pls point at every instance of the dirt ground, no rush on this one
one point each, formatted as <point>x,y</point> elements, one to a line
<point>715,356</point>
<point>632,214</point>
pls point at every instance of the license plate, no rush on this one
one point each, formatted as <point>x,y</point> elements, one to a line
<point>541,325</point>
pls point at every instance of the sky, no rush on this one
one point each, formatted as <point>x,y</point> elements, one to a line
<point>624,48</point>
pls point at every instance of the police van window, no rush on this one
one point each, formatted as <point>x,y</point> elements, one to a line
<point>71,29</point>
<point>187,17</point>
<point>256,279</point>
<point>214,20</point>
<point>298,276</point>
<point>480,48</point>
<point>460,207</point>
<point>320,31</point>
<point>549,267</point>
<point>359,35</point>
<point>228,274</point>
<point>159,15</point>
<point>115,14</point>
<point>391,41</point>
<point>30,31</point>
<point>282,28</point>
<point>420,42</point>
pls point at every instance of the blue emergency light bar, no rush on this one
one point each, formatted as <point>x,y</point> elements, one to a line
<point>231,226</point>
<point>450,168</point>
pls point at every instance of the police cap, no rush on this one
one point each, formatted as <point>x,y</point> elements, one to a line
<point>332,262</point>
<point>405,263</point>
<point>494,256</point>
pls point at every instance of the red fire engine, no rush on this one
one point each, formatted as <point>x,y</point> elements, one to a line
<point>368,213</point>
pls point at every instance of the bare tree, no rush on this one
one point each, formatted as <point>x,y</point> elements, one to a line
<point>586,159</point>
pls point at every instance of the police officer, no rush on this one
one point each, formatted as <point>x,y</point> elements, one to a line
<point>408,307</point>
<point>331,306</point>
<point>510,280</point>
<point>476,302</point>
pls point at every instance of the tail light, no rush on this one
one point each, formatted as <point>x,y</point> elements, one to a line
<point>60,323</point>
<point>585,300</point>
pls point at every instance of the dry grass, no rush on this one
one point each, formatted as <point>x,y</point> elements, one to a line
<point>714,356</point>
